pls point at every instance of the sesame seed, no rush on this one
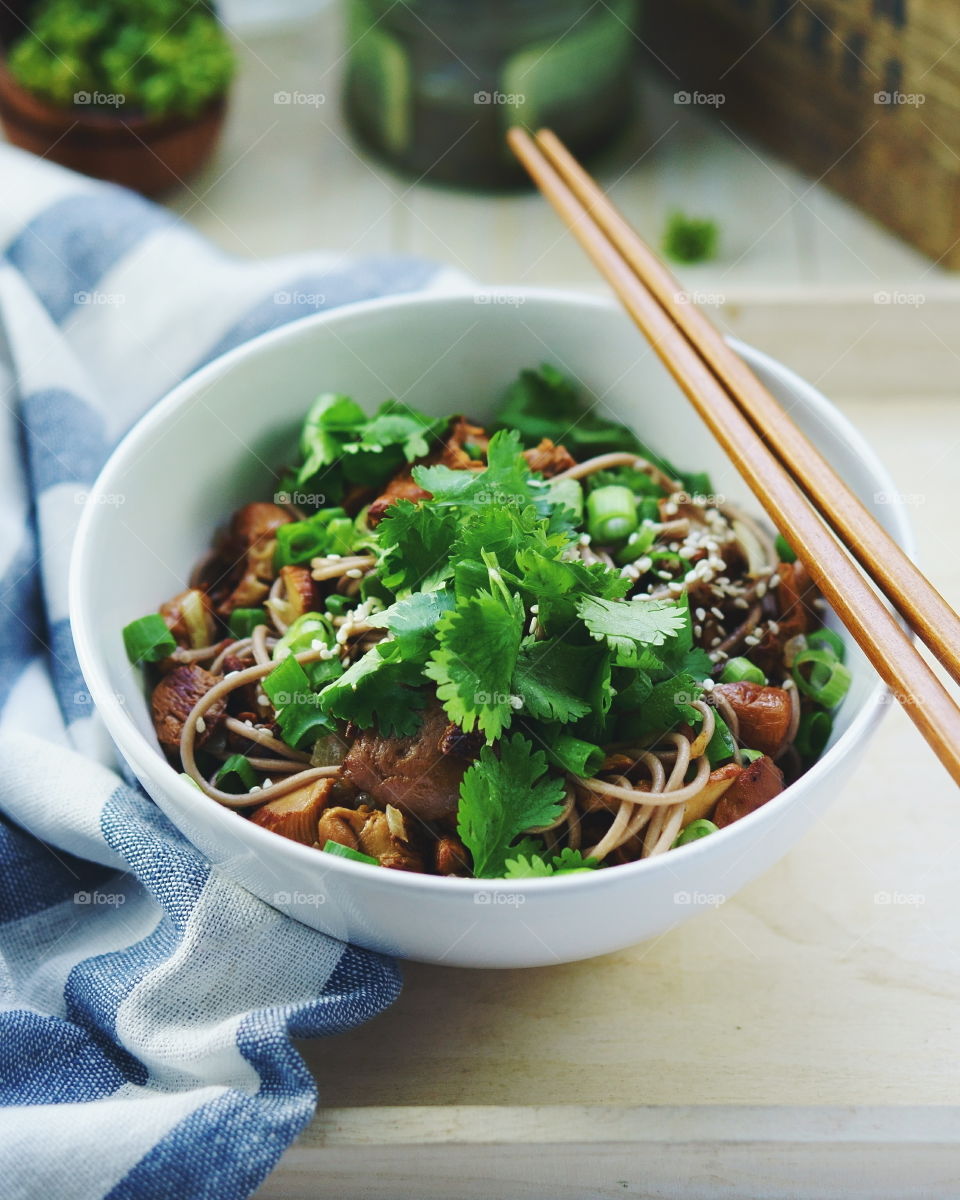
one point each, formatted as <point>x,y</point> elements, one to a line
<point>774,627</point>
<point>354,573</point>
<point>707,684</point>
<point>268,783</point>
<point>718,613</point>
<point>263,701</point>
<point>761,590</point>
<point>256,788</point>
<point>201,725</point>
<point>774,581</point>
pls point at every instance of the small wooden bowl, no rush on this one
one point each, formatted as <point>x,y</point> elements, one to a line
<point>147,154</point>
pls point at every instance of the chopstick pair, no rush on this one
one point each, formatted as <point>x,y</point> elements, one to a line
<point>793,482</point>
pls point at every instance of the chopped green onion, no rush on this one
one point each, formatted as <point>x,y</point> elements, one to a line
<point>637,544</point>
<point>721,747</point>
<point>236,775</point>
<point>337,605</point>
<point>148,639</point>
<point>813,733</point>
<point>287,683</point>
<point>826,639</point>
<point>576,756</point>
<point>649,510</point>
<point>666,560</point>
<point>293,695</point>
<point>742,670</point>
<point>474,452</point>
<point>611,514</point>
<point>694,831</point>
<point>784,549</point>
<point>243,621</point>
<point>750,756</point>
<point>821,676</point>
<point>329,531</point>
<point>308,629</point>
<point>330,847</point>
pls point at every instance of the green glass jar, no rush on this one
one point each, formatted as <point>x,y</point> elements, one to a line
<point>433,85</point>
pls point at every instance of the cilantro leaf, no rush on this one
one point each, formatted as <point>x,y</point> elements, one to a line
<point>523,867</point>
<point>550,677</point>
<point>573,860</point>
<point>379,689</point>
<point>396,424</point>
<point>534,866</point>
<point>667,706</point>
<point>340,441</point>
<point>696,662</point>
<point>474,663</point>
<point>413,620</point>
<point>545,403</point>
<point>505,479</point>
<point>631,627</point>
<point>331,420</point>
<point>500,798</point>
<point>415,542</point>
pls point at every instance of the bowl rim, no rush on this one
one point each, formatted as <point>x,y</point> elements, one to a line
<point>149,762</point>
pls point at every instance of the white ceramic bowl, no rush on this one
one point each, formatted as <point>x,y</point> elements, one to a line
<point>210,446</point>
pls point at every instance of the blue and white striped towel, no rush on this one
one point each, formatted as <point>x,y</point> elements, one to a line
<point>146,1004</point>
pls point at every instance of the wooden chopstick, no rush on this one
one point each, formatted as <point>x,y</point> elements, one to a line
<point>909,590</point>
<point>846,590</point>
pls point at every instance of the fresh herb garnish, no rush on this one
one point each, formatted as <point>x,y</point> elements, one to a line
<point>502,796</point>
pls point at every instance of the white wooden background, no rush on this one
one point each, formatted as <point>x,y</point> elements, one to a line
<point>289,177</point>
